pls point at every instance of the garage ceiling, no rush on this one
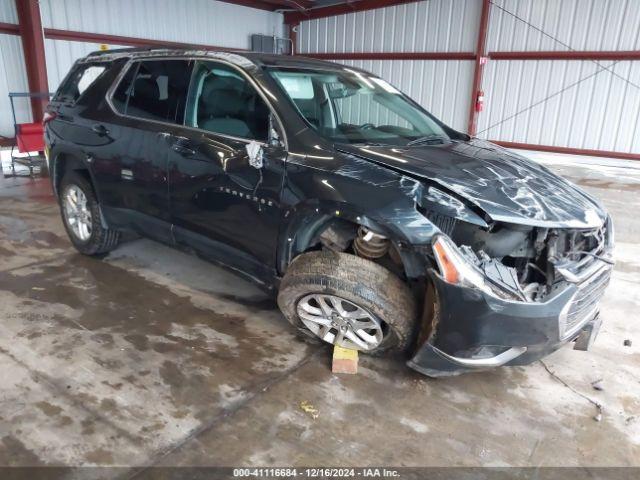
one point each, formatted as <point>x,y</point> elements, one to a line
<point>315,8</point>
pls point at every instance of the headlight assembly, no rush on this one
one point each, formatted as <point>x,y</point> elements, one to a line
<point>456,269</point>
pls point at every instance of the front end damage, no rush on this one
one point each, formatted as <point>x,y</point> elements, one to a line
<point>508,293</point>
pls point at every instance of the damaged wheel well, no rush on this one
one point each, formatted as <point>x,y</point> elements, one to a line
<point>374,243</point>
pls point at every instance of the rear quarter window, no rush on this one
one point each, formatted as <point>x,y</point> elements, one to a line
<point>79,81</point>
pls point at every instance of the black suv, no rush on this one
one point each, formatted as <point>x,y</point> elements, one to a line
<point>379,227</point>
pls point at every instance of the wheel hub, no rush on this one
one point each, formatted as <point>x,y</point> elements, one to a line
<point>340,322</point>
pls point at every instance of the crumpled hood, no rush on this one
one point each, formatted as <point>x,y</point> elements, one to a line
<point>506,186</point>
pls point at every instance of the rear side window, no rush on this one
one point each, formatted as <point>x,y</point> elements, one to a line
<point>79,81</point>
<point>154,90</point>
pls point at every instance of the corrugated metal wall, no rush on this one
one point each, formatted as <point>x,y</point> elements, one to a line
<point>442,87</point>
<point>577,104</point>
<point>429,26</point>
<point>13,78</point>
<point>8,11</point>
<point>60,56</point>
<point>206,22</point>
<point>195,21</point>
<point>581,24</point>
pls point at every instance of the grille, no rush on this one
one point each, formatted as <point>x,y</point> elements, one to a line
<point>585,301</point>
<point>443,222</point>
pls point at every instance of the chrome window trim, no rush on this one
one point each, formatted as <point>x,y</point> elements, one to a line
<point>131,61</point>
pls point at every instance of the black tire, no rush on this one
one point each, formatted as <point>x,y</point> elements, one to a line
<point>101,240</point>
<point>365,283</point>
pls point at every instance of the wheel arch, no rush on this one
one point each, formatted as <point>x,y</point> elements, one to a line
<point>301,233</point>
<point>64,162</point>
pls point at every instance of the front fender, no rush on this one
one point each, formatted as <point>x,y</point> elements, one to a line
<point>347,188</point>
<point>307,221</point>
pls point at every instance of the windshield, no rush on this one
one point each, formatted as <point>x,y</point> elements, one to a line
<point>349,106</point>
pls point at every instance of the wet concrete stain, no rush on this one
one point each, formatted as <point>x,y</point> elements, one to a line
<point>49,409</point>
<point>114,307</point>
<point>99,456</point>
<point>14,453</point>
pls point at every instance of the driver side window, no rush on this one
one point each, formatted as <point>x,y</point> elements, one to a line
<point>221,100</point>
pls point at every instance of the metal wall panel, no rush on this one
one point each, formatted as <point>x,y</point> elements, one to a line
<point>61,54</point>
<point>578,104</point>
<point>8,12</point>
<point>196,21</point>
<point>580,24</point>
<point>441,86</point>
<point>13,78</point>
<point>428,26</point>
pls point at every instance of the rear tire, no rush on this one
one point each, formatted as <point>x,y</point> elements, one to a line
<point>82,217</point>
<point>365,285</point>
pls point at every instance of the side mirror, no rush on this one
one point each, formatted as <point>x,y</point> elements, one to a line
<point>254,151</point>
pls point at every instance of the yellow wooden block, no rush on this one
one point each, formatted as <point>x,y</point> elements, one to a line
<point>341,353</point>
<point>345,360</point>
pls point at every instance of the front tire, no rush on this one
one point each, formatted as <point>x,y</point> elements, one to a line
<point>82,217</point>
<point>347,300</point>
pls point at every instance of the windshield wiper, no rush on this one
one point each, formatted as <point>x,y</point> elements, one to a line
<point>374,144</point>
<point>427,139</point>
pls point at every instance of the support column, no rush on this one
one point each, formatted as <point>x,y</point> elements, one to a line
<point>479,66</point>
<point>34,56</point>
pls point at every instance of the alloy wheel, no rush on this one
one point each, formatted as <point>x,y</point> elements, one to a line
<point>77,212</point>
<point>340,322</point>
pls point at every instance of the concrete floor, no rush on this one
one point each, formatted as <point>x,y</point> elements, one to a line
<point>151,357</point>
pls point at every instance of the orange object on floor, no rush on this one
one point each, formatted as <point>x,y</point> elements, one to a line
<point>344,360</point>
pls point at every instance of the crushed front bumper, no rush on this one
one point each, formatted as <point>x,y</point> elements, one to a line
<point>478,331</point>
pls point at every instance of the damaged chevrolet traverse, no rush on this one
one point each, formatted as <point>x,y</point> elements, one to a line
<point>378,227</point>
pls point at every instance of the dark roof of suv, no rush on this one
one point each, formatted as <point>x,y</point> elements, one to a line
<point>258,59</point>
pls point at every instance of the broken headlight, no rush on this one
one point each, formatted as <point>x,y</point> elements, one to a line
<point>456,269</point>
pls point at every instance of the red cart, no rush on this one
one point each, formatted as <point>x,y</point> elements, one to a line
<point>29,138</point>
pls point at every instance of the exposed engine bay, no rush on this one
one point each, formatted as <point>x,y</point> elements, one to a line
<point>530,261</point>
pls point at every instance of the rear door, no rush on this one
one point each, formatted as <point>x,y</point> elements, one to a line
<point>132,171</point>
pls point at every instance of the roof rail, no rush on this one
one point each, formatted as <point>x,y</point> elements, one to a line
<point>97,53</point>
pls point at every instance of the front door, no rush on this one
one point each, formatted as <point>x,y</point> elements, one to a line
<point>221,204</point>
